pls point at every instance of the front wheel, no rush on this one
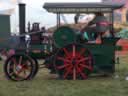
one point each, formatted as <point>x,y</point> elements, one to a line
<point>19,67</point>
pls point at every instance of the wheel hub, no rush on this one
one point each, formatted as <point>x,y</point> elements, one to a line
<point>18,67</point>
<point>74,62</point>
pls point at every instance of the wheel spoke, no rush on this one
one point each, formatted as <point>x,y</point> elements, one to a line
<point>65,51</point>
<point>63,59</point>
<point>83,59</point>
<point>74,73</point>
<point>81,73</point>
<point>67,72</point>
<point>63,66</point>
<point>85,66</point>
<point>14,61</point>
<point>74,51</point>
<point>20,60</point>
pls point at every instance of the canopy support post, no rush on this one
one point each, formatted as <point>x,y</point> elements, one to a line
<point>112,25</point>
<point>58,20</point>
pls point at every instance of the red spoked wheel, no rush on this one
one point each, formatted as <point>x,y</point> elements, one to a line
<point>73,62</point>
<point>19,67</point>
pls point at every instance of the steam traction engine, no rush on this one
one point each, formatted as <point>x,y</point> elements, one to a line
<point>75,54</point>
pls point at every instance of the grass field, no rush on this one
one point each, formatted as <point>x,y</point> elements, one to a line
<point>45,85</point>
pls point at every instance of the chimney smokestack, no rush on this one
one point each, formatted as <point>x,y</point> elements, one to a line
<point>22,16</point>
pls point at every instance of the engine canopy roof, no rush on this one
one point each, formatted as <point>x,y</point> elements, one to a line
<point>82,7</point>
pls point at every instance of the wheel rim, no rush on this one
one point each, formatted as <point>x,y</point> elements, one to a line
<point>73,62</point>
<point>19,67</point>
<point>36,67</point>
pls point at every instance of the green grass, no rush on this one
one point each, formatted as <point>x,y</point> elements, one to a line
<point>45,85</point>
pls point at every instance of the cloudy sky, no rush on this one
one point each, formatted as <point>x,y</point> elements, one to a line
<point>34,11</point>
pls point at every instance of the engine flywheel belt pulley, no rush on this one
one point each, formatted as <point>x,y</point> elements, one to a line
<point>63,36</point>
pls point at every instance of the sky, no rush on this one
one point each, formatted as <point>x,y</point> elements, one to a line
<point>34,11</point>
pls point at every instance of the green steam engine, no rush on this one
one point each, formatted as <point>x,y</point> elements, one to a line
<point>75,54</point>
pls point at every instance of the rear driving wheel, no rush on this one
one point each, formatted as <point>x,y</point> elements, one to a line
<point>73,62</point>
<point>19,67</point>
